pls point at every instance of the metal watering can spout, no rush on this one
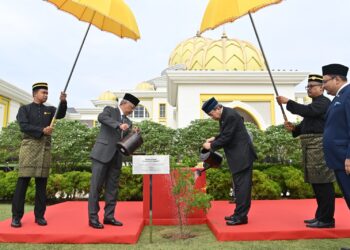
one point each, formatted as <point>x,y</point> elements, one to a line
<point>210,159</point>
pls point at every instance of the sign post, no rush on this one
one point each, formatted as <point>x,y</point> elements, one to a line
<point>150,164</point>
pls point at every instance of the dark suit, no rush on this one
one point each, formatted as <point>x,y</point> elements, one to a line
<point>240,154</point>
<point>106,162</point>
<point>336,139</point>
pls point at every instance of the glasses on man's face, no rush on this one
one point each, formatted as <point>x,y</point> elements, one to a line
<point>327,80</point>
<point>310,86</point>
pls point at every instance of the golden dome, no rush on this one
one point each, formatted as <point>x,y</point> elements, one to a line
<point>145,86</point>
<point>183,52</point>
<point>107,96</point>
<point>222,54</point>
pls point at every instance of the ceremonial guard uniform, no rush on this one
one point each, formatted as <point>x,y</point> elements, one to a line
<point>310,131</point>
<point>35,154</point>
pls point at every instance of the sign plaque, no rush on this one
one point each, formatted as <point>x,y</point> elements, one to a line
<point>150,164</point>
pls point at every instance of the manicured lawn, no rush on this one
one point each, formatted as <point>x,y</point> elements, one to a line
<point>204,241</point>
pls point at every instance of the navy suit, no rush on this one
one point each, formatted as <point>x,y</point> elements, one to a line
<point>336,139</point>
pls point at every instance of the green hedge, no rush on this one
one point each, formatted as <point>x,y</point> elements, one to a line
<point>277,172</point>
<point>71,186</point>
<point>276,182</point>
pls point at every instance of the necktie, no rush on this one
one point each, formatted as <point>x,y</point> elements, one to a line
<point>123,121</point>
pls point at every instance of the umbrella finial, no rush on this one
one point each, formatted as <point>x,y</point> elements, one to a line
<point>198,34</point>
<point>223,32</point>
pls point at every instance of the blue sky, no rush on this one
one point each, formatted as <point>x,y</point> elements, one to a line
<point>39,42</point>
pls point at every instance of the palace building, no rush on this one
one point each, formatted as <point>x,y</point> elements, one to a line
<point>231,70</point>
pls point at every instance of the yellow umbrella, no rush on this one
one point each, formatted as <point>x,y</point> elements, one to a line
<point>113,16</point>
<point>219,12</point>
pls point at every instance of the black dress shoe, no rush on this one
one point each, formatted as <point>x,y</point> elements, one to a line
<point>41,221</point>
<point>16,222</point>
<point>230,217</point>
<point>320,224</point>
<point>113,222</point>
<point>95,224</point>
<point>237,221</point>
<point>310,221</point>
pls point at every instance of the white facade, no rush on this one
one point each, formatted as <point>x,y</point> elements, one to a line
<point>251,92</point>
<point>11,98</point>
<point>183,92</point>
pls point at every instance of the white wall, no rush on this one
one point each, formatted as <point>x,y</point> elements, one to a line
<point>189,103</point>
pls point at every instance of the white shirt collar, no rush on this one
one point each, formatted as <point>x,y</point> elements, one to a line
<point>346,84</point>
<point>121,111</point>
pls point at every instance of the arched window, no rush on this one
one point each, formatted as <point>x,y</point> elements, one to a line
<point>246,116</point>
<point>140,112</point>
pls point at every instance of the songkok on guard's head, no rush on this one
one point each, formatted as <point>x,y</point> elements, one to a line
<point>40,85</point>
<point>209,105</point>
<point>335,69</point>
<point>315,78</point>
<point>133,99</point>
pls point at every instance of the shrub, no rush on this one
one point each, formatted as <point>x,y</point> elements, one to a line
<point>10,141</point>
<point>72,142</point>
<point>219,183</point>
<point>189,140</point>
<point>294,179</point>
<point>76,183</point>
<point>130,186</point>
<point>8,183</point>
<point>264,188</point>
<point>54,190</point>
<point>278,146</point>
<point>157,138</point>
<point>291,180</point>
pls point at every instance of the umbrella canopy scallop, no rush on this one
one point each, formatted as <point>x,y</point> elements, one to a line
<point>113,16</point>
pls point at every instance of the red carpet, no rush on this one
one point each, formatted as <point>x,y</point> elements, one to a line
<point>268,220</point>
<point>277,220</point>
<point>68,223</point>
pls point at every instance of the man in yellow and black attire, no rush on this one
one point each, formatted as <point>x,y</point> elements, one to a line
<point>310,131</point>
<point>35,153</point>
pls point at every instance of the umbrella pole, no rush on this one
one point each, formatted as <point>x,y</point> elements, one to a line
<point>267,65</point>
<point>71,72</point>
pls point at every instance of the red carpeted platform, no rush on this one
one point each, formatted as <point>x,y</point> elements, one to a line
<point>68,223</point>
<point>268,220</point>
<point>277,220</point>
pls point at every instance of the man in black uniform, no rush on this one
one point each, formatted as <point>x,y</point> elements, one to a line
<point>240,154</point>
<point>310,131</point>
<point>35,153</point>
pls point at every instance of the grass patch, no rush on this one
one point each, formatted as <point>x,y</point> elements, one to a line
<point>204,240</point>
